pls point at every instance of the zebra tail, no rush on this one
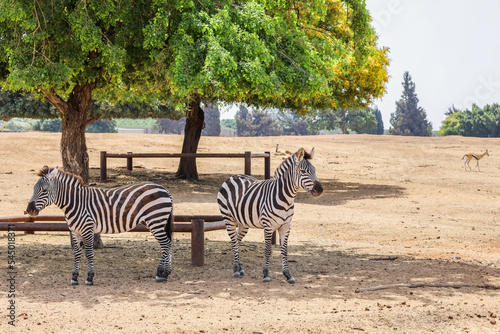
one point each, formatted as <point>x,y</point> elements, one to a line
<point>169,226</point>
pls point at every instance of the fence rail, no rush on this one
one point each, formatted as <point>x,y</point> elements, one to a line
<point>197,225</point>
<point>129,156</point>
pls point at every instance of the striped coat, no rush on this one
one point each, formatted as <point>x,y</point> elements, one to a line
<point>246,203</point>
<point>90,210</point>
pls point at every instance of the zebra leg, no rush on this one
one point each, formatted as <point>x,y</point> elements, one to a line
<point>77,248</point>
<point>284,231</point>
<point>268,234</point>
<point>242,231</point>
<point>233,232</point>
<point>165,266</point>
<point>88,244</point>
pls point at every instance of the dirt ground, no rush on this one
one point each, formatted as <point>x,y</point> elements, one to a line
<point>395,210</point>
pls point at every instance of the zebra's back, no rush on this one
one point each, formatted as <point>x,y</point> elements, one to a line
<point>241,198</point>
<point>120,209</point>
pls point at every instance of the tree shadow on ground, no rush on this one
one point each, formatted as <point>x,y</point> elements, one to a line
<point>206,188</point>
<point>125,271</point>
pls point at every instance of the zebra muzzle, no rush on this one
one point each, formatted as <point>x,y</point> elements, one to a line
<point>317,189</point>
<point>32,210</point>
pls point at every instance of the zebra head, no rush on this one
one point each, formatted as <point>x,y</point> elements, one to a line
<point>44,192</point>
<point>306,172</point>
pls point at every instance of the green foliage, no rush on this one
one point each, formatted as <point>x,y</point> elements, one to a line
<point>379,129</point>
<point>452,125</point>
<point>17,104</point>
<point>228,123</point>
<point>355,120</point>
<point>135,123</point>
<point>48,125</point>
<point>294,125</point>
<point>294,55</point>
<point>476,122</point>
<point>166,125</point>
<point>380,121</point>
<point>255,123</point>
<point>102,126</point>
<point>482,122</point>
<point>19,124</point>
<point>409,119</point>
<point>55,47</point>
<point>212,120</point>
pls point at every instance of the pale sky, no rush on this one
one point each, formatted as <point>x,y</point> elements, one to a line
<point>450,47</point>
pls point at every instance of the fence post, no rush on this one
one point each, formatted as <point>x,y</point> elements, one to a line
<point>267,166</point>
<point>103,166</point>
<point>129,162</point>
<point>198,242</point>
<point>267,175</point>
<point>248,163</point>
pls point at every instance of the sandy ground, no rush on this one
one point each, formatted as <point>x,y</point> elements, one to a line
<point>395,210</point>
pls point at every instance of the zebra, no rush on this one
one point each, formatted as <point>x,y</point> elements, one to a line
<point>89,210</point>
<point>245,202</point>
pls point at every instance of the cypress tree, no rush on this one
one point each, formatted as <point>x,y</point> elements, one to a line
<point>409,119</point>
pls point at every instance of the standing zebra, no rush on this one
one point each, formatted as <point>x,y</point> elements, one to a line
<point>247,203</point>
<point>90,210</point>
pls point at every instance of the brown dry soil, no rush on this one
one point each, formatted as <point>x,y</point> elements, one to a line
<point>395,210</point>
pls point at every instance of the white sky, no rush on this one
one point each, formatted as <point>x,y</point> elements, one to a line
<point>450,47</point>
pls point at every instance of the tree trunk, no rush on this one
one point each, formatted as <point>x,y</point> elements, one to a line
<point>75,115</point>
<point>192,133</point>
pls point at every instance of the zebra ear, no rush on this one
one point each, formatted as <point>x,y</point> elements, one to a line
<point>300,154</point>
<point>311,154</point>
<point>53,174</point>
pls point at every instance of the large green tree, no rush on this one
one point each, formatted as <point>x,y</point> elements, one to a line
<point>409,119</point>
<point>298,55</point>
<point>292,55</point>
<point>71,51</point>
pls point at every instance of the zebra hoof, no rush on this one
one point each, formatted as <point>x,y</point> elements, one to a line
<point>291,280</point>
<point>266,279</point>
<point>160,279</point>
<point>88,283</point>
<point>237,274</point>
<point>73,282</point>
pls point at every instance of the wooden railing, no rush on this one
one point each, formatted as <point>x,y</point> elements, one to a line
<point>129,156</point>
<point>197,225</point>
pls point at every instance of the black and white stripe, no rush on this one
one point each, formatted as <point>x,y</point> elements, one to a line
<point>90,210</point>
<point>247,203</point>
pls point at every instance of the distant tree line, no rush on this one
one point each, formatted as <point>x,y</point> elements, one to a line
<point>258,122</point>
<point>476,122</point>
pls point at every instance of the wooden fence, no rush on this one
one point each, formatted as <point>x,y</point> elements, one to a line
<point>129,156</point>
<point>197,225</point>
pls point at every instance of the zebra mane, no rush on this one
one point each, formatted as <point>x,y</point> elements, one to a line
<point>307,156</point>
<point>78,177</point>
<point>46,170</point>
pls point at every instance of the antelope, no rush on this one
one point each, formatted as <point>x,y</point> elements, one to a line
<point>477,157</point>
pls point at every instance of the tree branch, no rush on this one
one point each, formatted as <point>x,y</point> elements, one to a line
<point>92,120</point>
<point>56,101</point>
<point>430,285</point>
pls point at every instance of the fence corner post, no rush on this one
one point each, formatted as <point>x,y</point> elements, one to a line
<point>129,161</point>
<point>267,165</point>
<point>103,175</point>
<point>248,163</point>
<point>198,242</point>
